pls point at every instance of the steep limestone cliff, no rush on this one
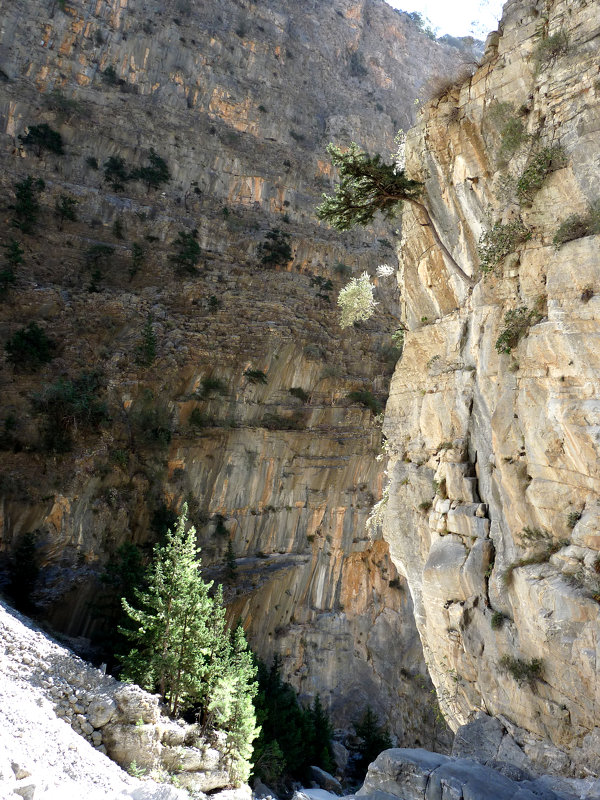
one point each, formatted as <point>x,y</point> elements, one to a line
<point>492,421</point>
<point>240,99</point>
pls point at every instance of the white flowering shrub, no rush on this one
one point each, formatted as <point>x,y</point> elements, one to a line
<point>356,301</point>
<point>399,156</point>
<point>385,271</point>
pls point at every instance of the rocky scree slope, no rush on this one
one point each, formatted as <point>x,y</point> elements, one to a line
<point>492,420</point>
<point>62,719</point>
<point>240,99</point>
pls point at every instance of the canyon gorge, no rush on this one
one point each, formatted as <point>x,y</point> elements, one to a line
<point>223,379</point>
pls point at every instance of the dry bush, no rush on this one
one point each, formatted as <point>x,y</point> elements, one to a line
<point>442,85</point>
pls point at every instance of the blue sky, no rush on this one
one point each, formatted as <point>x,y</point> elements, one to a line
<point>459,18</point>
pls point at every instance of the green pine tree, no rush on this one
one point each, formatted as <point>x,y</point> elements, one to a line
<point>182,648</point>
<point>322,752</point>
<point>173,633</point>
<point>232,706</point>
<point>374,740</point>
<point>367,186</point>
<point>230,563</point>
<point>26,207</point>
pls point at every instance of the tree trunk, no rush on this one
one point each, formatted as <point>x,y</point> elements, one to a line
<point>429,223</point>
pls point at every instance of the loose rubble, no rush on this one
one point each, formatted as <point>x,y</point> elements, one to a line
<point>61,718</point>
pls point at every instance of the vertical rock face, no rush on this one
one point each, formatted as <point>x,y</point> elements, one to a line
<point>240,99</point>
<point>492,420</point>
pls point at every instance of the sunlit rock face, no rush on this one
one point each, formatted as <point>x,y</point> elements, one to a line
<point>240,99</point>
<point>493,510</point>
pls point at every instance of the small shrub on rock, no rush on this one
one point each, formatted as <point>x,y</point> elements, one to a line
<point>497,620</point>
<point>30,348</point>
<point>499,242</point>
<point>275,251</point>
<point>549,49</point>
<point>153,174</point>
<point>577,226</point>
<point>43,137</point>
<point>367,399</point>
<point>255,376</point>
<point>297,391</point>
<point>538,168</point>
<point>26,207</point>
<point>68,402</point>
<point>116,173</point>
<point>65,209</point>
<point>186,252</point>
<point>516,324</point>
<point>522,671</point>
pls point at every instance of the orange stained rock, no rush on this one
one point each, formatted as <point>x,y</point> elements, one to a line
<point>66,47</point>
<point>338,524</point>
<point>60,509</point>
<point>115,18</point>
<point>82,79</point>
<point>267,492</point>
<point>246,190</point>
<point>175,464</point>
<point>46,35</point>
<point>324,168</point>
<point>382,79</point>
<point>231,111</point>
<point>10,120</point>
<point>41,78</point>
<point>316,519</point>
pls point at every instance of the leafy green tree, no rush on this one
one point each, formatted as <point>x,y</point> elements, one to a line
<point>181,647</point>
<point>374,740</point>
<point>124,573</point>
<point>13,257</point>
<point>27,206</point>
<point>43,137</point>
<point>232,707</point>
<point>146,350</point>
<point>186,252</point>
<point>137,259</point>
<point>68,402</point>
<point>275,251</point>
<point>65,209</point>
<point>29,348</point>
<point>367,186</point>
<point>116,173</point>
<point>356,301</point>
<point>153,174</point>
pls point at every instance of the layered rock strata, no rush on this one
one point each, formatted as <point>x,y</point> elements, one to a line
<point>492,419</point>
<point>240,99</point>
<point>407,774</point>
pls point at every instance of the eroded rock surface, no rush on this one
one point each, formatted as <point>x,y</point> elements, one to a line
<point>61,718</point>
<point>240,99</point>
<point>495,481</point>
<point>407,774</point>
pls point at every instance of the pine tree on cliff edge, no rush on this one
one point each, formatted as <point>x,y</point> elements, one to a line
<point>368,185</point>
<point>182,648</point>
